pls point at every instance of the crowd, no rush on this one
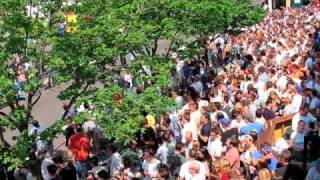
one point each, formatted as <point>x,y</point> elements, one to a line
<point>226,99</point>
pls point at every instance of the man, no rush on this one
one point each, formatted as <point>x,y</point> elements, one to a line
<point>232,153</point>
<point>251,126</point>
<point>36,128</point>
<point>205,128</point>
<point>165,149</point>
<point>176,160</point>
<point>268,112</point>
<point>214,144</point>
<point>227,130</point>
<point>285,157</point>
<point>185,172</point>
<point>66,169</point>
<point>115,160</point>
<point>79,146</point>
<point>307,117</point>
<point>314,172</point>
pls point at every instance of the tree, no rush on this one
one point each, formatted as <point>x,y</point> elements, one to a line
<point>102,32</point>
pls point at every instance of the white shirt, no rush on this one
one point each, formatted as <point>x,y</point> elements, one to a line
<point>215,147</point>
<point>191,128</point>
<point>116,163</point>
<point>184,171</point>
<point>44,168</point>
<point>150,168</point>
<point>236,124</point>
<point>39,130</point>
<point>162,153</point>
<point>195,117</point>
<point>289,109</point>
<point>296,102</point>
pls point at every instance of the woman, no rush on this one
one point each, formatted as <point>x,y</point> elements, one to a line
<point>224,169</point>
<point>150,165</point>
<point>263,174</point>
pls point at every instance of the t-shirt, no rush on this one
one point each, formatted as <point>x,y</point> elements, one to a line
<point>313,174</point>
<point>298,138</point>
<point>214,147</point>
<point>233,156</point>
<point>150,168</point>
<point>163,151</point>
<point>268,114</point>
<point>79,146</point>
<point>44,168</point>
<point>307,120</point>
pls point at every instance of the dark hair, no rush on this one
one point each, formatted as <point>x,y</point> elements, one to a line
<point>113,148</point>
<point>103,174</point>
<point>163,170</point>
<point>95,161</point>
<point>259,113</point>
<point>58,159</point>
<point>79,128</point>
<point>179,146</point>
<point>35,123</point>
<point>52,169</point>
<point>150,151</point>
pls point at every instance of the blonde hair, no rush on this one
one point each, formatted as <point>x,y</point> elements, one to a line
<point>224,165</point>
<point>264,174</point>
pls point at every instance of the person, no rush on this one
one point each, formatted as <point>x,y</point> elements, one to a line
<point>263,174</point>
<point>224,169</point>
<point>44,167</point>
<point>268,112</point>
<point>66,170</point>
<point>79,146</point>
<point>232,153</point>
<point>150,164</point>
<point>307,117</point>
<point>297,140</point>
<point>165,149</point>
<point>228,131</point>
<point>314,172</point>
<point>176,160</point>
<point>36,128</point>
<point>164,172</point>
<point>192,168</point>
<point>205,128</point>
<point>285,158</point>
<point>115,160</point>
<point>69,129</point>
<point>53,172</point>
<point>214,144</point>
<point>251,126</point>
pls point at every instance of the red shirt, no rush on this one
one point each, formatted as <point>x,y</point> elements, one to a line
<point>79,146</point>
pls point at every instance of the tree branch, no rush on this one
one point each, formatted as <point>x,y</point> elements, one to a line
<point>38,98</point>
<point>73,99</point>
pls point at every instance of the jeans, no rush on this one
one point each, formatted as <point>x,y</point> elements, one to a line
<point>81,168</point>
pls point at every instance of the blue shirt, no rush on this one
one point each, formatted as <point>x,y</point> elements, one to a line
<point>272,163</point>
<point>245,130</point>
